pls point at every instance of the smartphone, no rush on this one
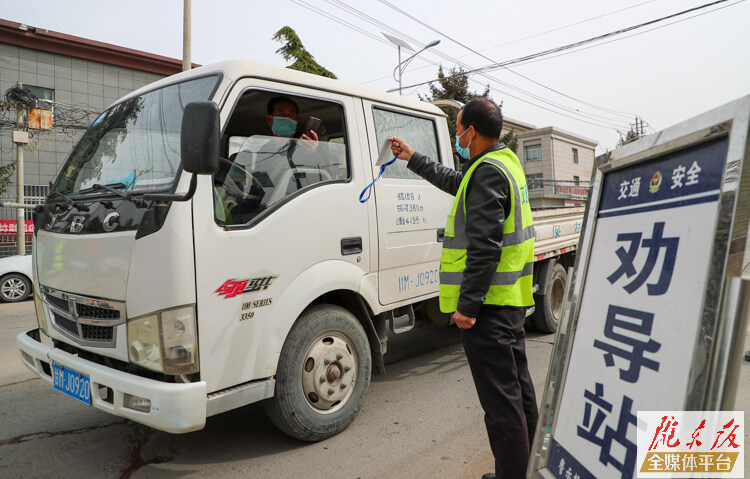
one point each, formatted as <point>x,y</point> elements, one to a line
<point>312,124</point>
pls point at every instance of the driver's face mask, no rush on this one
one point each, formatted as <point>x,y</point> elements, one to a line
<point>284,126</point>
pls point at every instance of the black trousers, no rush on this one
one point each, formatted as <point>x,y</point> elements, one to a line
<point>496,350</point>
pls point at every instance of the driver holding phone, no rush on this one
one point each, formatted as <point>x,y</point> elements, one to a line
<point>281,116</point>
<point>268,159</point>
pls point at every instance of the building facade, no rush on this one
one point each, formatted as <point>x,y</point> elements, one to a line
<point>76,79</point>
<point>558,166</point>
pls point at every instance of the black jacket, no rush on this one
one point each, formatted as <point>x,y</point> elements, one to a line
<point>487,207</point>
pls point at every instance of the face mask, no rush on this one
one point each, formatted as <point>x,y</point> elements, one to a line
<point>464,152</point>
<point>284,126</point>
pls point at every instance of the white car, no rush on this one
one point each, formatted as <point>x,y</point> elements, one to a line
<point>15,278</point>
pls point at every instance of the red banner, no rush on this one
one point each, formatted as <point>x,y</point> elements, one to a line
<point>9,226</point>
<point>572,190</point>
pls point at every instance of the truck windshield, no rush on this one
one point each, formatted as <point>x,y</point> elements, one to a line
<point>135,145</point>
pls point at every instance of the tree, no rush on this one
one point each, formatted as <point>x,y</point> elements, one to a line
<point>454,86</point>
<point>6,176</point>
<point>631,135</point>
<point>511,140</point>
<point>293,49</point>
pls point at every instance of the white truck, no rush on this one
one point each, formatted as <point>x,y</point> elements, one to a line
<point>187,262</point>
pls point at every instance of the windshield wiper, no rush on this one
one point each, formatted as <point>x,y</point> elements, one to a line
<point>111,187</point>
<point>68,200</point>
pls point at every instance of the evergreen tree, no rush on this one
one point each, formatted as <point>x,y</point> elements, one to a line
<point>511,140</point>
<point>292,48</point>
<point>631,135</point>
<point>6,176</point>
<point>453,86</point>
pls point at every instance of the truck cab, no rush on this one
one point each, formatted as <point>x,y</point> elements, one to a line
<point>190,261</point>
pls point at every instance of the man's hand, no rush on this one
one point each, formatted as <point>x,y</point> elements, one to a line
<point>313,136</point>
<point>463,321</point>
<point>312,144</point>
<point>401,149</point>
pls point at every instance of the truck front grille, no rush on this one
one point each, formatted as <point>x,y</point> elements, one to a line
<point>87,332</point>
<point>66,324</point>
<point>90,332</point>
<point>88,321</point>
<point>59,302</point>
<point>94,312</point>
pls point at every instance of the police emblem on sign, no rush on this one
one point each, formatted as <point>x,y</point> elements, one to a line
<point>655,183</point>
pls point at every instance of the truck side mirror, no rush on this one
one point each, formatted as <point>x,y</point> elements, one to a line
<point>199,138</point>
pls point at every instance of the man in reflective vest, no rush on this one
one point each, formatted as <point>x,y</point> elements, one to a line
<point>486,275</point>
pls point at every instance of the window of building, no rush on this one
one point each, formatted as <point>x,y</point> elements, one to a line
<point>419,131</point>
<point>45,96</point>
<point>36,118</point>
<point>577,179</point>
<point>575,155</point>
<point>258,170</point>
<point>535,182</point>
<point>533,152</point>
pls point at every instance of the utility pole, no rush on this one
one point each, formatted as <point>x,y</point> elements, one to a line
<point>20,216</point>
<point>186,37</point>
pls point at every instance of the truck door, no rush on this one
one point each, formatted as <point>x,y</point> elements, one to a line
<point>279,209</point>
<point>411,213</point>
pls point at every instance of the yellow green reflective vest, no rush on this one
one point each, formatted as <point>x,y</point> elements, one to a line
<point>511,284</point>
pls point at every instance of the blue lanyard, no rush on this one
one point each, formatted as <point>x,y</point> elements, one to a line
<point>368,188</point>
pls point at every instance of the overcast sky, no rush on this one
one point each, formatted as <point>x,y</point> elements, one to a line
<point>665,75</point>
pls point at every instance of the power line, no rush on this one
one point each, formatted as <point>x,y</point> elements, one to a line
<point>385,2</point>
<point>553,111</point>
<point>308,6</point>
<point>544,53</point>
<point>635,34</point>
<point>606,124</point>
<point>570,25</point>
<point>533,36</point>
<point>377,23</point>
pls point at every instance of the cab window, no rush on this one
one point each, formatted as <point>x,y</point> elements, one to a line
<point>418,132</point>
<point>268,153</point>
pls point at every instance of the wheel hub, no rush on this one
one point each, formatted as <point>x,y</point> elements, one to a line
<point>329,373</point>
<point>13,289</point>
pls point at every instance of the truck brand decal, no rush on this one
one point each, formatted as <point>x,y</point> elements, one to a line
<point>91,217</point>
<point>232,287</point>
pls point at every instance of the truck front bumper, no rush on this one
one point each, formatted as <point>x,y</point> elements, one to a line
<point>175,407</point>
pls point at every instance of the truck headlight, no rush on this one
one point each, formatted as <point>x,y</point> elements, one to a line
<point>165,341</point>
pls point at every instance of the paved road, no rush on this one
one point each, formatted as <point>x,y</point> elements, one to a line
<point>421,421</point>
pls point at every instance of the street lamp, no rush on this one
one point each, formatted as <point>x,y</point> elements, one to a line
<point>402,65</point>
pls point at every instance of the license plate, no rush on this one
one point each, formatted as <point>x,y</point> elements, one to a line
<point>72,383</point>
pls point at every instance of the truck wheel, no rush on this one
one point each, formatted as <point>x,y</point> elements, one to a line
<point>322,376</point>
<point>548,311</point>
<point>434,315</point>
<point>529,322</point>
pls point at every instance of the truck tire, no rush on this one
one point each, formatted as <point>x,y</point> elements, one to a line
<point>322,376</point>
<point>434,315</point>
<point>529,321</point>
<point>548,310</point>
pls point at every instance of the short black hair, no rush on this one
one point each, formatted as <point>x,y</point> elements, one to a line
<point>484,115</point>
<point>280,99</point>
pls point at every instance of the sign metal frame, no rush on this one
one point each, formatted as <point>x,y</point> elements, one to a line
<point>718,348</point>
